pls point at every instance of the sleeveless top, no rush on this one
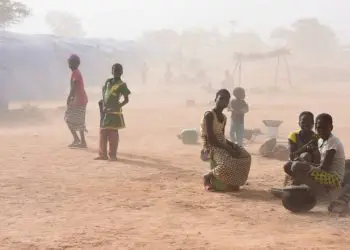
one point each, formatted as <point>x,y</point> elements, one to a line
<point>218,129</point>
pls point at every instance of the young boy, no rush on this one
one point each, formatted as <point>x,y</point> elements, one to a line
<point>238,108</point>
<point>330,173</point>
<point>112,118</point>
<point>303,142</point>
<point>76,104</point>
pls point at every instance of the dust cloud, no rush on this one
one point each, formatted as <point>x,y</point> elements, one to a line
<point>153,197</point>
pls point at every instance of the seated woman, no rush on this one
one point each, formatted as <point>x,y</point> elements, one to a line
<point>230,163</point>
<point>303,143</point>
<point>330,173</point>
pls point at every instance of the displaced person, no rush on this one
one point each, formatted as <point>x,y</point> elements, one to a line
<point>230,163</point>
<point>329,174</point>
<point>115,95</point>
<point>76,104</point>
<point>303,142</point>
<point>238,108</point>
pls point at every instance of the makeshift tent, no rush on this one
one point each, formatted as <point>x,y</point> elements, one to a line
<point>35,66</point>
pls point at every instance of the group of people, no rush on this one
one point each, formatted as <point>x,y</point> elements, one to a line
<point>115,95</point>
<point>317,159</point>
<point>230,162</point>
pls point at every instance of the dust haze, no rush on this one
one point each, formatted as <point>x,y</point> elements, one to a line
<point>153,197</point>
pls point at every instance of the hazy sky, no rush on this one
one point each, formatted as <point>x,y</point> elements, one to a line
<point>127,19</point>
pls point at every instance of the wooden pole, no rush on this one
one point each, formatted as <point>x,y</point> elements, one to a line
<point>277,69</point>
<point>237,67</point>
<point>240,73</point>
<point>288,70</point>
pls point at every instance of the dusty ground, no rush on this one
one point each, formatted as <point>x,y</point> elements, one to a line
<point>58,198</point>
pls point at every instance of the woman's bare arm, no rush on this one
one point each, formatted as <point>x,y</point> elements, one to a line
<point>72,91</point>
<point>212,140</point>
<point>292,149</point>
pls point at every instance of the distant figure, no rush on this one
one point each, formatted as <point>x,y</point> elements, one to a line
<point>201,76</point>
<point>209,88</point>
<point>330,173</point>
<point>169,74</point>
<point>112,118</point>
<point>145,71</point>
<point>230,164</point>
<point>76,104</point>
<point>238,108</point>
<point>227,83</point>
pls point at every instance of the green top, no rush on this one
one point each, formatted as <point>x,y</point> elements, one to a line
<point>111,92</point>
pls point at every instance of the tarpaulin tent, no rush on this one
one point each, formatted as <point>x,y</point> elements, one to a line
<point>35,66</point>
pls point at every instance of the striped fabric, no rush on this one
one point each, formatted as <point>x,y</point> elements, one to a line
<point>75,117</point>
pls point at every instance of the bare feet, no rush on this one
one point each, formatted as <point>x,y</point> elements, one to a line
<point>82,145</point>
<point>74,144</point>
<point>113,159</point>
<point>207,183</point>
<point>101,158</point>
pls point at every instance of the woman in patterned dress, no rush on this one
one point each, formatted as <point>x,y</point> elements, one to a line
<point>230,162</point>
<point>76,104</point>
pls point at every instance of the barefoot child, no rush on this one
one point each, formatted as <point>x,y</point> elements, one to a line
<point>230,164</point>
<point>330,173</point>
<point>112,118</point>
<point>238,108</point>
<point>76,104</point>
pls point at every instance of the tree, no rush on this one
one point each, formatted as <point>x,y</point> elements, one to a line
<point>309,37</point>
<point>64,24</point>
<point>12,12</point>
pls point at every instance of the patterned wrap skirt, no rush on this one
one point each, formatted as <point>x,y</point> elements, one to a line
<point>228,169</point>
<point>75,117</point>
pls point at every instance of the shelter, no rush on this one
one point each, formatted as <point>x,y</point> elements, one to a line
<point>34,67</point>
<point>279,54</point>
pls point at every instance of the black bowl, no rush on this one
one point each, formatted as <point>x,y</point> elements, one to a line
<point>298,199</point>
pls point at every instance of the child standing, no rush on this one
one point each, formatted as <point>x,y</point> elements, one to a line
<point>112,118</point>
<point>238,108</point>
